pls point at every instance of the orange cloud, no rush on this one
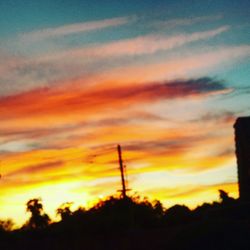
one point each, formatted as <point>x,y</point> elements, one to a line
<point>50,102</point>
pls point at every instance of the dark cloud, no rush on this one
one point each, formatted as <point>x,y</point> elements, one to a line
<point>163,90</point>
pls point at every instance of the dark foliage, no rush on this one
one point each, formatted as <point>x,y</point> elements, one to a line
<point>178,214</point>
<point>38,219</point>
<point>133,223</point>
<point>64,211</point>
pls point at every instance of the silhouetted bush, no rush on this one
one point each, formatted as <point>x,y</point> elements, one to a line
<point>133,223</point>
<point>64,211</point>
<point>38,219</point>
<point>177,214</point>
<point>6,225</point>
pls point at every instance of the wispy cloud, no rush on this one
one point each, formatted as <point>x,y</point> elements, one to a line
<point>197,61</point>
<point>184,21</point>
<point>75,28</point>
<point>148,44</point>
<point>30,74</point>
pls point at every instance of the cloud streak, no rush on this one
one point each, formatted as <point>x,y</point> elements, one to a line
<point>141,45</point>
<point>75,28</point>
<point>52,101</point>
<point>184,21</point>
<point>36,169</point>
<point>24,74</point>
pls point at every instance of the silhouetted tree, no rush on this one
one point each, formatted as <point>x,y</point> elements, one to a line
<point>38,218</point>
<point>177,214</point>
<point>116,223</point>
<point>64,210</point>
<point>158,208</point>
<point>6,225</point>
<point>225,199</point>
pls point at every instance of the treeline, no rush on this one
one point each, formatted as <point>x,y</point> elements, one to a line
<point>132,223</point>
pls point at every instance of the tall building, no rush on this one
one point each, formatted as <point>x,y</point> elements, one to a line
<point>242,141</point>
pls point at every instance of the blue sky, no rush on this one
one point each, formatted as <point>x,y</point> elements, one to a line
<point>22,16</point>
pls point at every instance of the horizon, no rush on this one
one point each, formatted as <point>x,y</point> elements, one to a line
<point>164,80</point>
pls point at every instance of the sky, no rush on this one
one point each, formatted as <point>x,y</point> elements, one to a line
<point>164,79</point>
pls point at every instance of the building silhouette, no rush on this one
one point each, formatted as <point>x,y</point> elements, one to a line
<point>242,143</point>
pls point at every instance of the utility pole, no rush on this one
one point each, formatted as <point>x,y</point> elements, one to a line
<point>122,170</point>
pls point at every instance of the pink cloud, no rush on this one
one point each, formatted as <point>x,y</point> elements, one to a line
<point>148,44</point>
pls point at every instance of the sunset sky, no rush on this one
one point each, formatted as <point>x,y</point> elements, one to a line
<point>165,79</point>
